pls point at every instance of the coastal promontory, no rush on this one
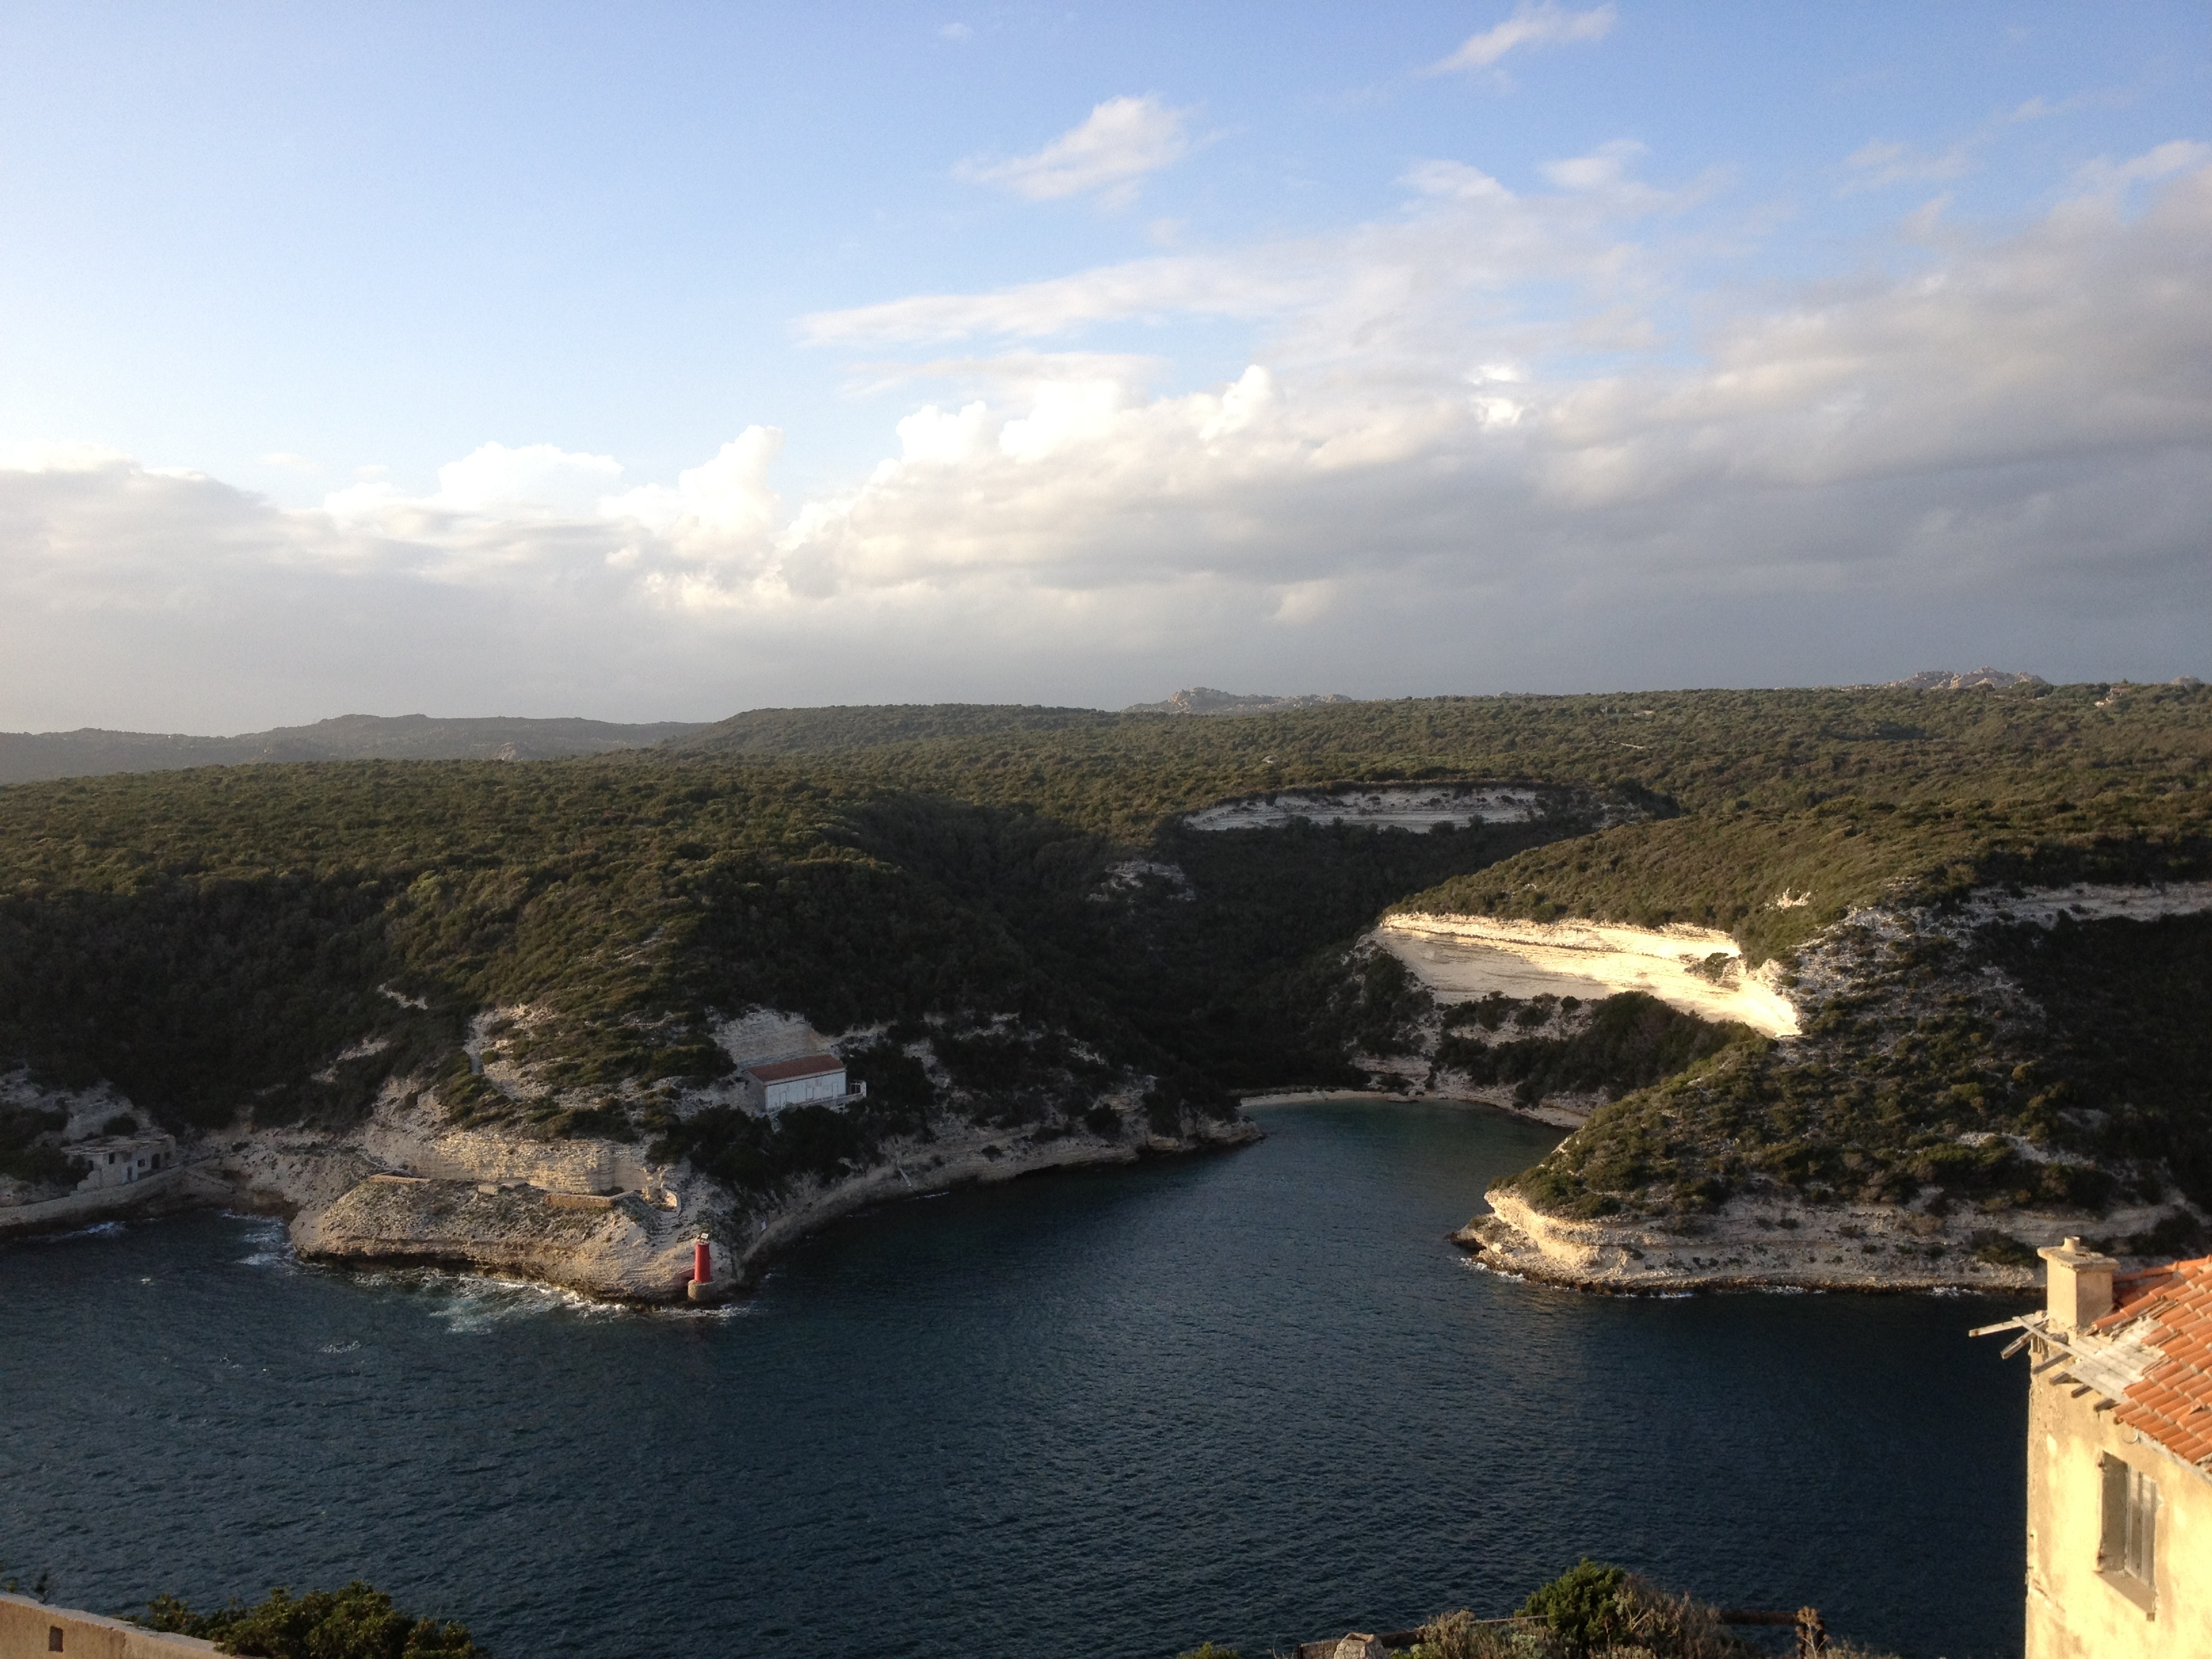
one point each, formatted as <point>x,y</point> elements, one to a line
<point>1873,986</point>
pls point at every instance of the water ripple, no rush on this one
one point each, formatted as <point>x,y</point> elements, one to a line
<point>1249,1398</point>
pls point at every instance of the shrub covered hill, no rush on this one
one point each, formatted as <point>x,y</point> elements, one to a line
<point>999,911</point>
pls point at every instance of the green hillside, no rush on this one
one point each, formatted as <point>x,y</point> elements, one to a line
<point>212,939</point>
<point>847,730</point>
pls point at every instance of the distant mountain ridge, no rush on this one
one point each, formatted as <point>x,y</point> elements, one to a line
<point>32,757</point>
<point>1205,700</point>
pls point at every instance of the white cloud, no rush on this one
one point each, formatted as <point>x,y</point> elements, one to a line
<point>1885,161</point>
<point>1007,373</point>
<point>2105,178</point>
<point>1605,169</point>
<point>726,503</point>
<point>1882,161</point>
<point>1467,229</point>
<point>1119,142</point>
<point>1546,23</point>
<point>931,436</point>
<point>532,480</point>
<point>1419,483</point>
<point>43,456</point>
<point>1185,286</point>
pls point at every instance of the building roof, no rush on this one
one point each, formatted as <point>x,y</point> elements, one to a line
<point>138,1140</point>
<point>784,1071</point>
<point>2166,1313</point>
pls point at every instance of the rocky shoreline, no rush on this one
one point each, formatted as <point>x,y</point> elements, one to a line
<point>626,1248</point>
<point>409,1188</point>
<point>1773,1243</point>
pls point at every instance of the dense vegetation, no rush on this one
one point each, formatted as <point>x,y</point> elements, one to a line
<point>2089,1090</point>
<point>2103,754</point>
<point>27,1151</point>
<point>26,756</point>
<point>1012,887</point>
<point>1593,1610</point>
<point>355,1622</point>
<point>1629,1040</point>
<point>1726,869</point>
<point>221,940</point>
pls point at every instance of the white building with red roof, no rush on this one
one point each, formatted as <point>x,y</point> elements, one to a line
<point>2119,1459</point>
<point>805,1080</point>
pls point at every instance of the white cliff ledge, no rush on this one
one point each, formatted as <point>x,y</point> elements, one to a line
<point>408,1186</point>
<point>1695,970</point>
<point>1778,1242</point>
<point>410,1189</point>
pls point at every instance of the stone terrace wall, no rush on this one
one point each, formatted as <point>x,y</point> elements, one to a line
<point>27,1630</point>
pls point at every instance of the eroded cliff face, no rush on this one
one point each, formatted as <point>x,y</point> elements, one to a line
<point>621,1247</point>
<point>635,1244</point>
<point>1919,1117</point>
<point>1696,969</point>
<point>417,1182</point>
<point>1772,1241</point>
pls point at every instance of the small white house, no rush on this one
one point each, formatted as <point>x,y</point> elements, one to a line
<point>771,1085</point>
<point>119,1160</point>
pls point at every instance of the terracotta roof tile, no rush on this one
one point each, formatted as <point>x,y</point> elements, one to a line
<point>2173,1402</point>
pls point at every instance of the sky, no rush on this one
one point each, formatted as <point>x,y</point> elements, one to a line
<point>652,362</point>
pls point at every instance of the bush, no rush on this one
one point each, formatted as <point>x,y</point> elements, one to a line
<point>2001,1249</point>
<point>1581,1607</point>
<point>1631,1040</point>
<point>1590,1610</point>
<point>357,1622</point>
<point>1460,1636</point>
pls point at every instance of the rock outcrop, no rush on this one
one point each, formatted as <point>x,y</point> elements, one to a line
<point>1893,1003</point>
<point>637,1245</point>
<point>1205,700</point>
<point>1767,1242</point>
<point>1696,969</point>
<point>414,1182</point>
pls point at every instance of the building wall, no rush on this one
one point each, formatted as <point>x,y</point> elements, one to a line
<point>830,1085</point>
<point>118,1161</point>
<point>2074,1611</point>
<point>91,1204</point>
<point>27,1629</point>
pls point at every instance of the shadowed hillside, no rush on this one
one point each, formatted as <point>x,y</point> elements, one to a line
<point>284,940</point>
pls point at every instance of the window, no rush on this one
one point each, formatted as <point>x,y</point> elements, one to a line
<point>53,1638</point>
<point>2127,1541</point>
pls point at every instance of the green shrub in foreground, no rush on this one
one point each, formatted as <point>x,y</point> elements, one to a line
<point>1590,1611</point>
<point>357,1622</point>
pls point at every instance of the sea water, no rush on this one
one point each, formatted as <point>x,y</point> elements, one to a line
<point>1254,1396</point>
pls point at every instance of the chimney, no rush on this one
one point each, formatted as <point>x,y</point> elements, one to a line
<point>2081,1284</point>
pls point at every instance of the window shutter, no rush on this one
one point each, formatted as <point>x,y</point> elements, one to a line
<point>2113,1515</point>
<point>2143,1525</point>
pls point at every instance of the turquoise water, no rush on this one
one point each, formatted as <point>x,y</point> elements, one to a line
<point>1254,1396</point>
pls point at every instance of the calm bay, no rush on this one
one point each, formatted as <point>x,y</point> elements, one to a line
<point>1254,1397</point>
